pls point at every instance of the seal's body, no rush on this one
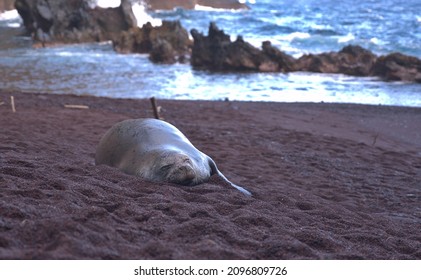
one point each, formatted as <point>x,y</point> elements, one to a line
<point>156,151</point>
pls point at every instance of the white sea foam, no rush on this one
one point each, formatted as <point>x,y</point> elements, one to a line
<point>108,3</point>
<point>9,15</point>
<point>284,21</point>
<point>345,39</point>
<point>316,26</point>
<point>297,35</point>
<point>143,17</point>
<point>245,1</point>
<point>198,7</point>
<point>14,25</point>
<point>375,41</point>
<point>11,19</point>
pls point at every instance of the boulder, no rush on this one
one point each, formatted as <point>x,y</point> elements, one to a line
<point>351,60</point>
<point>73,21</point>
<point>112,21</point>
<point>170,38</point>
<point>398,67</point>
<point>162,52</point>
<point>190,4</point>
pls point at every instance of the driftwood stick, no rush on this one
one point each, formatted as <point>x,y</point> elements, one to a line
<point>72,106</point>
<point>12,102</point>
<point>155,108</point>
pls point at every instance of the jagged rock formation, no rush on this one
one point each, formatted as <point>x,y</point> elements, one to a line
<point>216,52</point>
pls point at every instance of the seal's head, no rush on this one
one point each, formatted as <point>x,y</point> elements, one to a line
<point>173,167</point>
<point>178,168</point>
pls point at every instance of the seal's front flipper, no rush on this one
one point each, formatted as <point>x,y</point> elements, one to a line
<point>215,170</point>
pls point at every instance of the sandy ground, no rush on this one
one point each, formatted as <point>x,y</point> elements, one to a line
<point>329,181</point>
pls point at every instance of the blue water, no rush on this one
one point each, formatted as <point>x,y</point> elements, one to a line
<point>296,27</point>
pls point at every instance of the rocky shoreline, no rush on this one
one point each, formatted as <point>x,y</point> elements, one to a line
<point>57,22</point>
<point>216,52</point>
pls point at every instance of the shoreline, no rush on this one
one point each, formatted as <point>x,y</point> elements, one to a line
<point>221,99</point>
<point>329,181</point>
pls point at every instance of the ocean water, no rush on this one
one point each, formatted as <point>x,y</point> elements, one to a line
<point>296,27</point>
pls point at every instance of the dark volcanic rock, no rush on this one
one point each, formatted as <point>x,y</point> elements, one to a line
<point>285,63</point>
<point>398,67</point>
<point>73,21</point>
<point>112,21</point>
<point>166,43</point>
<point>190,4</point>
<point>217,52</point>
<point>351,60</point>
<point>162,52</point>
<point>208,50</point>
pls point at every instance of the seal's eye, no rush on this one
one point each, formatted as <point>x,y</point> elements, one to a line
<point>165,168</point>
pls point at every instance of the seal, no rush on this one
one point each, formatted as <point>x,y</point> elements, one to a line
<point>156,151</point>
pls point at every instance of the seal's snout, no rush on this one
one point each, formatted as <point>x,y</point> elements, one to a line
<point>184,175</point>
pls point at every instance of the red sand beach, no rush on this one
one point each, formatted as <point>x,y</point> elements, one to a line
<point>329,181</point>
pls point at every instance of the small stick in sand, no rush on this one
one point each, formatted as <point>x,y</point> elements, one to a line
<point>156,109</point>
<point>1,103</point>
<point>72,106</point>
<point>12,102</point>
<point>375,139</point>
